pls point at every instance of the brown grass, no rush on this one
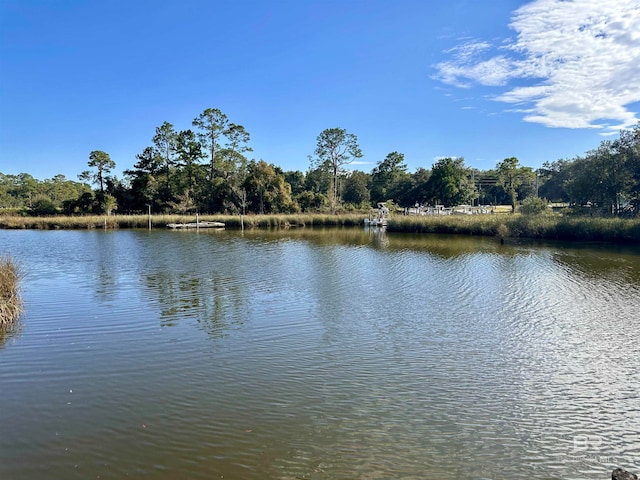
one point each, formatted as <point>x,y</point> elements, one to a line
<point>160,221</point>
<point>10,299</point>
<point>551,227</point>
<point>502,224</point>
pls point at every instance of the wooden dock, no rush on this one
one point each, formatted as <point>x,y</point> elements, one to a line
<point>196,225</point>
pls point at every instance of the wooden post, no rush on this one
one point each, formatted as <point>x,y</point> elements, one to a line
<point>244,204</point>
<point>149,216</point>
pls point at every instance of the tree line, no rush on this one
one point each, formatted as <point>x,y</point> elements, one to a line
<point>206,169</point>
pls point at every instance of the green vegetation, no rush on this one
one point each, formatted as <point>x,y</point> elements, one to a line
<point>550,227</point>
<point>335,148</point>
<point>502,225</point>
<point>161,221</point>
<point>534,206</point>
<point>206,170</point>
<point>449,183</point>
<point>10,300</point>
<point>511,176</point>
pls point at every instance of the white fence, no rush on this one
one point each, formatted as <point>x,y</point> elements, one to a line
<point>442,210</point>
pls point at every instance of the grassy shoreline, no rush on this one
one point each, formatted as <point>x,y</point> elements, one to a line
<point>232,222</point>
<point>10,299</point>
<point>547,227</point>
<point>551,227</point>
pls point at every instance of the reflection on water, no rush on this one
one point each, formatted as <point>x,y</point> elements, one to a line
<point>8,332</point>
<point>216,302</point>
<point>598,262</point>
<point>319,353</point>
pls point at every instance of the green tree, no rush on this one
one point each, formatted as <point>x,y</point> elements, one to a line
<point>237,139</point>
<point>552,180</point>
<point>143,179</point>
<point>189,154</point>
<point>226,144</point>
<point>628,145</point>
<point>416,189</point>
<point>311,201</point>
<point>103,164</point>
<point>297,181</point>
<point>449,183</point>
<point>267,191</point>
<point>27,187</point>
<point>59,189</point>
<point>165,141</point>
<point>85,203</point>
<point>610,179</point>
<point>527,187</point>
<point>579,184</point>
<point>212,124</point>
<point>606,179</point>
<point>356,190</point>
<point>317,180</point>
<point>621,174</point>
<point>22,190</point>
<point>42,206</point>
<point>509,178</point>
<point>122,194</point>
<point>107,203</point>
<point>386,176</point>
<point>335,148</point>
<point>7,200</point>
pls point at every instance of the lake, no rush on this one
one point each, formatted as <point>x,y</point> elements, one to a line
<point>319,354</point>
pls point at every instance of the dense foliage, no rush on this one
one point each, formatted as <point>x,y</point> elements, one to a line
<point>206,170</point>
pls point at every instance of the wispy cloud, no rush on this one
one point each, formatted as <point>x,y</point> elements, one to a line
<point>580,61</point>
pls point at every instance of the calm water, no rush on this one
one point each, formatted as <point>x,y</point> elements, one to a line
<point>319,354</point>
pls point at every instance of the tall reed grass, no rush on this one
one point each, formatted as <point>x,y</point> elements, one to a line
<point>550,226</point>
<point>10,299</point>
<point>161,221</point>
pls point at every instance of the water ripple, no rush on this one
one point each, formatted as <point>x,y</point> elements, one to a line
<point>156,355</point>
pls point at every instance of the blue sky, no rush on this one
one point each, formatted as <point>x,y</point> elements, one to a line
<point>539,80</point>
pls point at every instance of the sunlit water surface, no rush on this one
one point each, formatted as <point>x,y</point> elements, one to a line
<point>318,354</point>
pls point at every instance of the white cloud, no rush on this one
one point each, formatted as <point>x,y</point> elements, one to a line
<point>580,60</point>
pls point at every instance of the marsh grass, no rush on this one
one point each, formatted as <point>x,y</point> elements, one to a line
<point>10,300</point>
<point>450,224</point>
<point>161,221</point>
<point>502,224</point>
<point>550,227</point>
<point>297,220</point>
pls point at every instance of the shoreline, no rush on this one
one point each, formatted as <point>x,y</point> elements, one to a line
<point>502,226</point>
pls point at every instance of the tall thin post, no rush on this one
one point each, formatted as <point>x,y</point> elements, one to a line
<point>149,216</point>
<point>244,204</point>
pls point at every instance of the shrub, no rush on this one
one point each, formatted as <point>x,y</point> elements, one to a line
<point>534,206</point>
<point>42,206</point>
